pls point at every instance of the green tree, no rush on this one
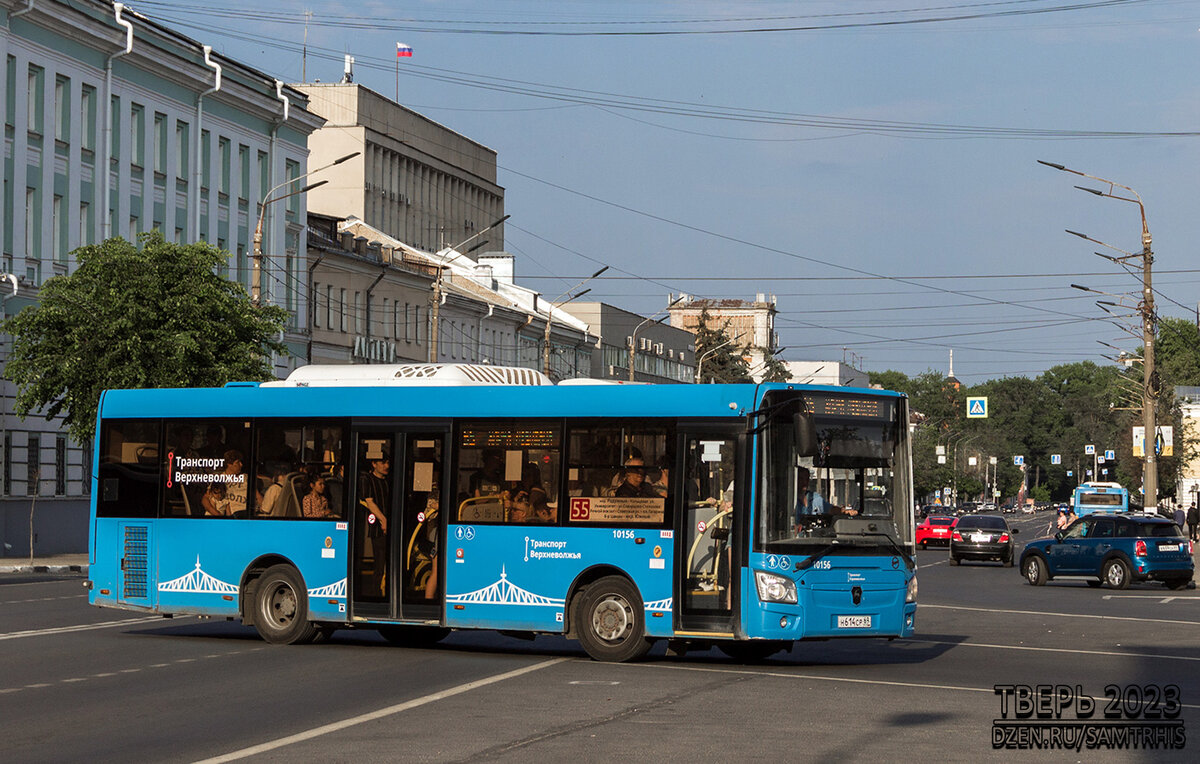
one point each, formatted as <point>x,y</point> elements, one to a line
<point>721,363</point>
<point>774,370</point>
<point>891,380</point>
<point>129,317</point>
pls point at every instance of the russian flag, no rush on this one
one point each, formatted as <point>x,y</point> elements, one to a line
<point>403,51</point>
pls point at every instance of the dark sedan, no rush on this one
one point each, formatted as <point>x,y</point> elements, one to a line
<point>981,537</point>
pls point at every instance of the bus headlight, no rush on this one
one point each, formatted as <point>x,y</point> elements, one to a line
<point>773,588</point>
<point>911,596</point>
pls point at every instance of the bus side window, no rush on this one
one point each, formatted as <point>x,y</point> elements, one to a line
<point>130,468</point>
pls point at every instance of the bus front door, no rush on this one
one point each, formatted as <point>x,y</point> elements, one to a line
<point>707,556</point>
<point>397,499</point>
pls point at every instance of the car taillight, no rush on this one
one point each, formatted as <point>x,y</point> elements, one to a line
<point>957,536</point>
<point>1003,537</point>
<point>1190,550</point>
<point>1139,548</point>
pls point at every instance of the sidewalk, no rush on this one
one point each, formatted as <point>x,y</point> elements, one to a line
<point>54,563</point>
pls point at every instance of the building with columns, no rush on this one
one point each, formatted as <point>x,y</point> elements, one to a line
<point>116,125</point>
<point>750,324</point>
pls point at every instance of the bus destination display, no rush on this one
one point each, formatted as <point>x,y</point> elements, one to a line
<point>853,408</point>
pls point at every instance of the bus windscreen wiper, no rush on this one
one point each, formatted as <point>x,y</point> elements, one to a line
<point>812,560</point>
<point>891,542</point>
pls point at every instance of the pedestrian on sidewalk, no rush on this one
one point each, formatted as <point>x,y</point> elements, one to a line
<point>1193,519</point>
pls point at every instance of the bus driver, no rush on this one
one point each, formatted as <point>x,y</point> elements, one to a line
<point>812,503</point>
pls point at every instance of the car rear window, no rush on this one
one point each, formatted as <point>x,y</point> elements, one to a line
<point>1169,530</point>
<point>941,521</point>
<point>982,522</point>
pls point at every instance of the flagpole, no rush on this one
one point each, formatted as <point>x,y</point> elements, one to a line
<point>397,76</point>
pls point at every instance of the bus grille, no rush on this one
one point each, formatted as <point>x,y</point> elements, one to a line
<point>136,561</point>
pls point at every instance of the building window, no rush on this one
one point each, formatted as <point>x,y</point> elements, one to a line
<point>10,92</point>
<point>60,465</point>
<point>32,218</point>
<point>205,161</point>
<point>34,100</point>
<point>58,230</point>
<point>137,131</point>
<point>85,223</point>
<point>87,117</point>
<point>33,464</point>
<point>160,142</point>
<point>244,167</point>
<point>358,313</point>
<point>114,111</point>
<point>225,150</point>
<point>328,307</point>
<point>316,307</point>
<point>264,176</point>
<point>181,149</point>
<point>342,309</point>
<point>133,228</point>
<point>62,108</point>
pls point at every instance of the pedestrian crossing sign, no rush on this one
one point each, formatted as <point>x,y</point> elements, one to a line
<point>977,408</point>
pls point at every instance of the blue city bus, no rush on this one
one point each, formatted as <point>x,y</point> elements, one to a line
<point>419,499</point>
<point>1099,497</point>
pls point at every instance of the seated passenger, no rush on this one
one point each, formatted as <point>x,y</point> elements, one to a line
<point>215,501</point>
<point>633,482</point>
<point>316,504</point>
<point>540,510</point>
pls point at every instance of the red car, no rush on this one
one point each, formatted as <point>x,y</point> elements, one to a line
<point>934,529</point>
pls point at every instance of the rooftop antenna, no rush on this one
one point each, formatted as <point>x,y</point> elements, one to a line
<point>348,71</point>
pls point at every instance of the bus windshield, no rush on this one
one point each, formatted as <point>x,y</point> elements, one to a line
<point>834,472</point>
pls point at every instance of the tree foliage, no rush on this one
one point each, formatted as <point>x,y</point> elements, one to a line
<point>718,355</point>
<point>156,316</point>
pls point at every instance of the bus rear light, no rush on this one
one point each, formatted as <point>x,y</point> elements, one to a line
<point>1139,548</point>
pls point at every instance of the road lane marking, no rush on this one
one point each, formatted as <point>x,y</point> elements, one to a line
<point>930,565</point>
<point>45,599</point>
<point>1058,615</point>
<point>818,677</point>
<point>79,627</point>
<point>382,713</point>
<point>1162,598</point>
<point>107,674</point>
<point>1073,651</point>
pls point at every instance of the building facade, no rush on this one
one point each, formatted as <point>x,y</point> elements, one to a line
<point>416,180</point>
<point>750,324</point>
<point>115,126</point>
<point>833,373</point>
<point>661,353</point>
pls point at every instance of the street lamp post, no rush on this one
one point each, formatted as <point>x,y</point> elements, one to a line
<point>550,312</point>
<point>1146,308</point>
<point>256,273</point>
<point>435,312</point>
<point>638,328</point>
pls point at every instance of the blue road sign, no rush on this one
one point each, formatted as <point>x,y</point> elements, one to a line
<point>977,408</point>
<point>1110,455</point>
<point>1056,458</point>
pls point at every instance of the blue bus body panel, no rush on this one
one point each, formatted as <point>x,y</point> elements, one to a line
<point>825,593</point>
<point>504,577</point>
<point>197,565</point>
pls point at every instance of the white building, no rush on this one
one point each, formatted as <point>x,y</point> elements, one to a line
<point>833,373</point>
<point>114,126</point>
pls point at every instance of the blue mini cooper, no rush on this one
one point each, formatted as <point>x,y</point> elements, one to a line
<point>1112,549</point>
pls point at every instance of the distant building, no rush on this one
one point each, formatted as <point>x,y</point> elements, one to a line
<point>950,378</point>
<point>826,373</point>
<point>661,353</point>
<point>416,180</point>
<point>116,125</point>
<point>751,325</point>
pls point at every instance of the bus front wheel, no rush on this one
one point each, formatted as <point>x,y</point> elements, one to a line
<point>610,621</point>
<point>281,608</point>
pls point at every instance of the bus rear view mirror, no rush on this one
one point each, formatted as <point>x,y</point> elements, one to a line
<point>806,434</point>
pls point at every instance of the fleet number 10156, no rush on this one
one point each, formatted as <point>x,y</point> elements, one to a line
<point>626,533</point>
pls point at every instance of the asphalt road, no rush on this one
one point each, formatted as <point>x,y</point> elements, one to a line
<point>80,683</point>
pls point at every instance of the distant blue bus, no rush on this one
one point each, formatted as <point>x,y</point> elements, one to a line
<point>1099,497</point>
<point>419,499</point>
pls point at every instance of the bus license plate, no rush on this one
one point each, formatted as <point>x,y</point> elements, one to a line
<point>854,621</point>
<point>1168,547</point>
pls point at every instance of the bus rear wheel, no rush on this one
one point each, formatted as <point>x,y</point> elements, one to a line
<point>281,608</point>
<point>610,621</point>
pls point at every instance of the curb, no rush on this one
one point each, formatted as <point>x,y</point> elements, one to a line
<point>43,569</point>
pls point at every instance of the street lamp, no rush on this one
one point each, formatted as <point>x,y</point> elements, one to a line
<point>633,337</point>
<point>710,351</point>
<point>435,313</point>
<point>550,313</point>
<point>1146,308</point>
<point>256,274</point>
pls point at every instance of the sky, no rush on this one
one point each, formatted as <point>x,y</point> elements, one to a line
<point>870,163</point>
